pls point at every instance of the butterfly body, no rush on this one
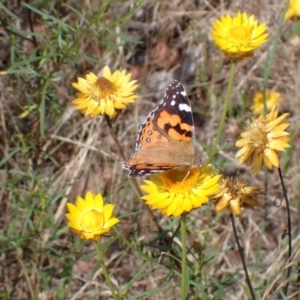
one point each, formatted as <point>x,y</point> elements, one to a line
<point>166,140</point>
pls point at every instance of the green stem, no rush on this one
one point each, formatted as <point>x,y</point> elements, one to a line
<point>271,53</point>
<point>224,112</point>
<point>184,279</point>
<point>104,271</point>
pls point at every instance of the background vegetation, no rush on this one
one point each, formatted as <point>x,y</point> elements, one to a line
<point>50,153</point>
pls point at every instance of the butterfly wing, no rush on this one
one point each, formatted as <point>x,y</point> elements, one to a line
<point>166,139</point>
<point>173,117</point>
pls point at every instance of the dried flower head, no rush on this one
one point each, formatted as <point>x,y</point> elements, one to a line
<point>263,139</point>
<point>179,191</point>
<point>239,36</point>
<point>234,194</point>
<point>105,94</point>
<point>89,218</point>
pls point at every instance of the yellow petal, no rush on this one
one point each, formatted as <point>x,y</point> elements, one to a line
<point>235,207</point>
<point>271,158</point>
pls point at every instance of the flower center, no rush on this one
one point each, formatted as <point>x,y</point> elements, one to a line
<point>104,87</point>
<point>258,136</point>
<point>91,221</point>
<point>180,180</point>
<point>239,35</point>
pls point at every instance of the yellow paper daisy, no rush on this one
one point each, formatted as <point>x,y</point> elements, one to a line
<point>272,98</point>
<point>239,36</point>
<point>105,94</point>
<point>234,194</point>
<point>293,10</point>
<point>89,218</point>
<point>263,139</point>
<point>176,192</point>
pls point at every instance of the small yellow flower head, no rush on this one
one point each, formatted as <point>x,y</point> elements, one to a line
<point>263,139</point>
<point>293,11</point>
<point>272,98</point>
<point>234,194</point>
<point>239,36</point>
<point>89,218</point>
<point>177,192</point>
<point>103,95</point>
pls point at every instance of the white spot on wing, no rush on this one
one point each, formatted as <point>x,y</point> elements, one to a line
<point>185,107</point>
<point>173,102</point>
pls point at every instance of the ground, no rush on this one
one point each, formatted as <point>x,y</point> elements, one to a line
<point>51,153</point>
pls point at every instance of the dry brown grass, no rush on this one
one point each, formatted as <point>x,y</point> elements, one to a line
<point>165,40</point>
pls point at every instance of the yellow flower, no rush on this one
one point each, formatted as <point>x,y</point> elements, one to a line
<point>272,98</point>
<point>179,191</point>
<point>239,36</point>
<point>104,95</point>
<point>89,218</point>
<point>234,194</point>
<point>263,139</point>
<point>293,10</point>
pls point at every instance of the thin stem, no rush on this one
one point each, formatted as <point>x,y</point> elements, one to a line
<point>272,52</point>
<point>104,271</point>
<point>289,229</point>
<point>29,18</point>
<point>112,132</point>
<point>242,257</point>
<point>175,232</point>
<point>184,291</point>
<point>224,112</point>
<point>132,179</point>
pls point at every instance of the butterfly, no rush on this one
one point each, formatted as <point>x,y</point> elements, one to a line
<point>166,140</point>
